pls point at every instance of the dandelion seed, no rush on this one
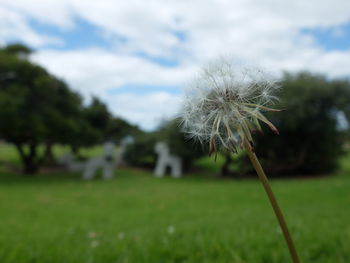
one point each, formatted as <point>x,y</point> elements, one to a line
<point>94,244</point>
<point>224,106</point>
<point>121,235</point>
<point>171,230</point>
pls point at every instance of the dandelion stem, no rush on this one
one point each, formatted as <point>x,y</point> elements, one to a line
<point>265,182</point>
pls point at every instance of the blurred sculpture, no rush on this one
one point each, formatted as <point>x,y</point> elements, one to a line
<point>105,161</point>
<point>90,167</point>
<point>165,159</point>
<point>68,161</point>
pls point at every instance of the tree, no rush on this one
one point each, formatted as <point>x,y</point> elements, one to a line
<point>141,152</point>
<point>188,149</point>
<point>92,126</point>
<point>63,117</point>
<point>18,50</point>
<point>311,137</point>
<point>119,128</point>
<point>35,107</point>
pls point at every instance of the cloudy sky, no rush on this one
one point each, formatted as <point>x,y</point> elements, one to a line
<point>138,55</point>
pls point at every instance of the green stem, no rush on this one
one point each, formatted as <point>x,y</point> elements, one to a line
<point>265,182</point>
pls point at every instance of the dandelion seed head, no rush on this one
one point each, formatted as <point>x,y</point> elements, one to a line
<point>121,235</point>
<point>94,244</point>
<point>171,230</point>
<point>223,105</point>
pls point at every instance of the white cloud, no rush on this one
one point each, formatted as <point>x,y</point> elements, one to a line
<point>95,71</point>
<point>15,27</point>
<point>146,110</point>
<point>264,32</point>
<point>53,12</point>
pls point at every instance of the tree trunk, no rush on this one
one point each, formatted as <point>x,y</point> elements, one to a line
<point>29,161</point>
<point>76,152</point>
<point>48,157</point>
<point>30,167</point>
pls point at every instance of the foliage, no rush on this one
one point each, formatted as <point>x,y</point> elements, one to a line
<point>311,139</point>
<point>141,152</point>
<point>18,50</point>
<point>35,107</point>
<point>118,129</point>
<point>98,116</point>
<point>189,150</point>
<point>92,125</point>
<point>97,124</point>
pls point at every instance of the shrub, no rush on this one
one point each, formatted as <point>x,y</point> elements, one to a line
<point>311,132</point>
<point>141,152</point>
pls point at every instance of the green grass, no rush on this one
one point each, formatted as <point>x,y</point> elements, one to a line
<point>138,218</point>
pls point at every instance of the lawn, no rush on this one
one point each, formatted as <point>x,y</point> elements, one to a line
<point>135,217</point>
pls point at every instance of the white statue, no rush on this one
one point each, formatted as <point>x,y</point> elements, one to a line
<point>70,163</point>
<point>89,167</point>
<point>165,159</point>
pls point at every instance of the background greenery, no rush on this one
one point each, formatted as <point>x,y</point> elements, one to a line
<point>313,125</point>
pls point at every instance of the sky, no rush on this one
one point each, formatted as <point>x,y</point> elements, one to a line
<point>139,55</point>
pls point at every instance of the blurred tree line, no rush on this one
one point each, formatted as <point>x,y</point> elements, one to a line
<point>313,125</point>
<point>141,153</point>
<point>37,108</point>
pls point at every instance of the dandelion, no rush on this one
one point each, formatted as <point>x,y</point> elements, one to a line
<point>222,109</point>
<point>121,235</point>
<point>224,106</point>
<point>94,244</point>
<point>171,229</point>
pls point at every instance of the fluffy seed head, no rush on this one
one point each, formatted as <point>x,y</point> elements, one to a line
<point>223,105</point>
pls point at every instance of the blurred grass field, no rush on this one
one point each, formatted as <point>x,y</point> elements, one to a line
<point>135,217</point>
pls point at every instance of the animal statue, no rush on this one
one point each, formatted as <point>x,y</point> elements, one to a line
<point>68,161</point>
<point>165,159</point>
<point>90,166</point>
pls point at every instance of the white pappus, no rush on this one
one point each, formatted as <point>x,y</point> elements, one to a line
<point>224,105</point>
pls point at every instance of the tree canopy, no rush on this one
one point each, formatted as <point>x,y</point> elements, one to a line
<point>312,132</point>
<point>37,108</point>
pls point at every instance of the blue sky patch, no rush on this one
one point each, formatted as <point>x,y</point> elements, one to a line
<point>83,35</point>
<point>166,62</point>
<point>332,38</point>
<point>144,89</point>
<point>87,35</point>
<point>181,35</point>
